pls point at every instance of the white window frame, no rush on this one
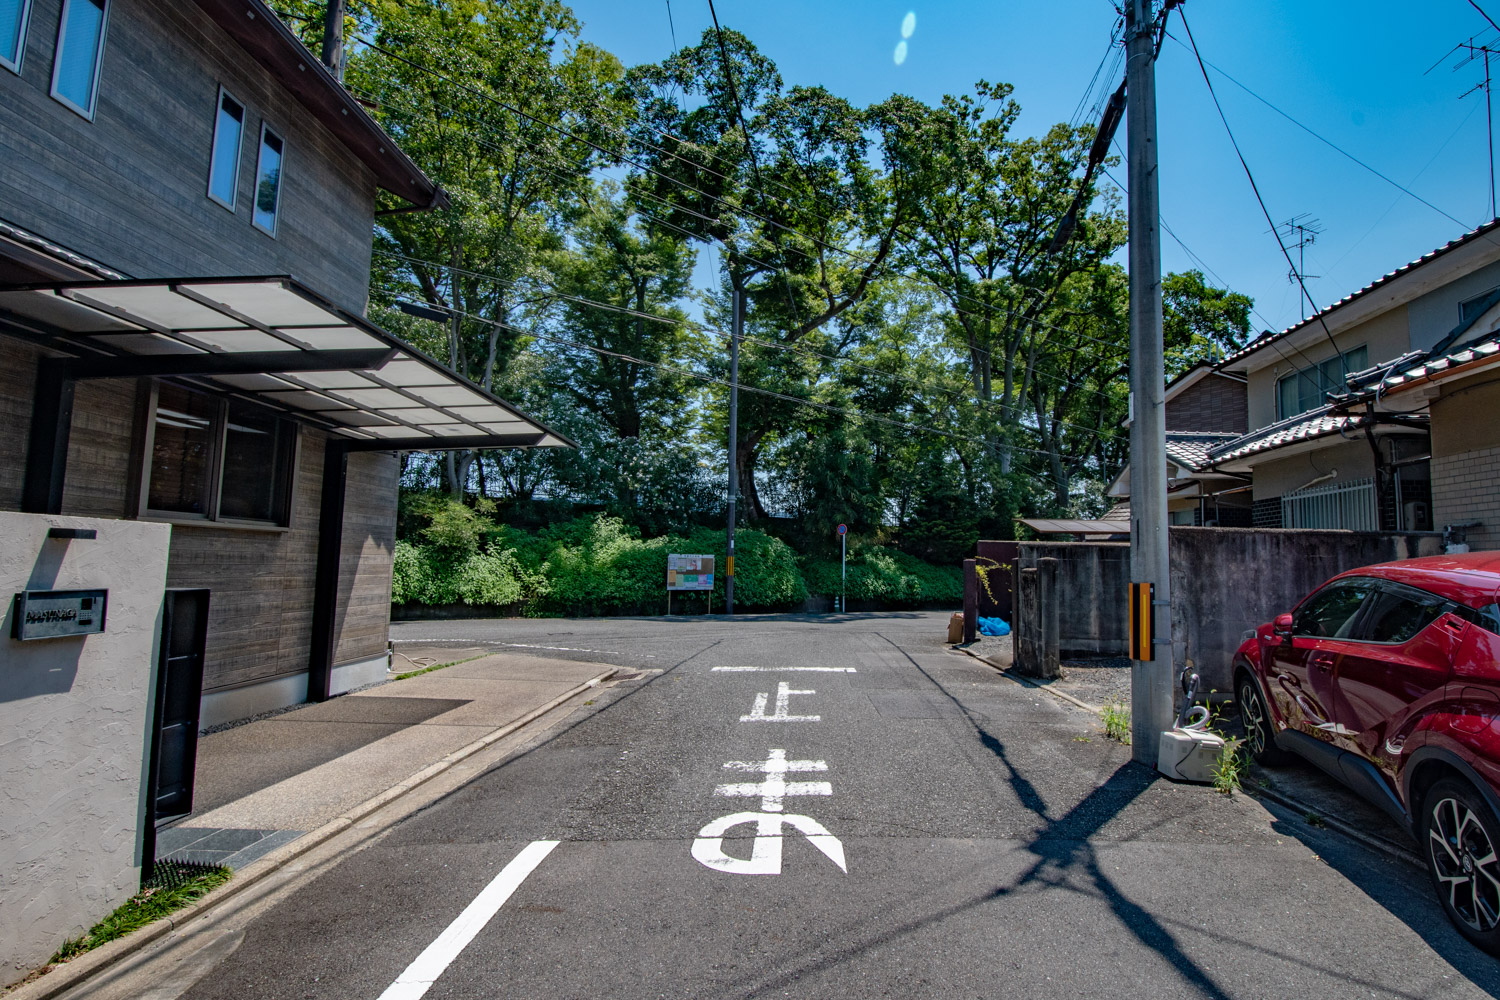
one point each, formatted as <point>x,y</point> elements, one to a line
<point>15,67</point>
<point>62,32</point>
<point>260,148</point>
<point>239,151</point>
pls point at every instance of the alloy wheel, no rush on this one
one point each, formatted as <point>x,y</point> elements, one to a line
<point>1465,863</point>
<point>1255,718</point>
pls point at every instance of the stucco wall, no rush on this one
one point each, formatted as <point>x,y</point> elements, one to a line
<point>1352,459</point>
<point>1385,336</point>
<point>74,717</point>
<point>1434,315</point>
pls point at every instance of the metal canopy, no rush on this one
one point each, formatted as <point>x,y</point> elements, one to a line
<point>273,340</point>
<point>1064,526</point>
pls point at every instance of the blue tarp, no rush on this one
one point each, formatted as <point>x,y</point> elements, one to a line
<point>993,626</point>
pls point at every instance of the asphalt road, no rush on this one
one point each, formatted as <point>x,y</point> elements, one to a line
<point>996,845</point>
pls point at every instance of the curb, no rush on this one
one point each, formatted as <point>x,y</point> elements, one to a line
<point>1386,847</point>
<point>1004,672</point>
<point>67,975</point>
<point>1389,848</point>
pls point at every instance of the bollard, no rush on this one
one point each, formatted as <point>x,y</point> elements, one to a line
<point>1051,618</point>
<point>1026,626</point>
<point>971,600</point>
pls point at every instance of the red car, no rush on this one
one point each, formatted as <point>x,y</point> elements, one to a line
<point>1388,678</point>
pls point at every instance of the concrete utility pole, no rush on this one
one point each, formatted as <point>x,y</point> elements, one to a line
<point>333,38</point>
<point>1151,687</point>
<point>735,332</point>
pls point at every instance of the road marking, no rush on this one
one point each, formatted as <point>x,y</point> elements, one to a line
<point>528,645</point>
<point>422,973</point>
<point>784,694</point>
<point>775,787</point>
<point>765,852</point>
<point>774,670</point>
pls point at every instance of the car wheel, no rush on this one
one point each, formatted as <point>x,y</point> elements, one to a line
<point>1459,835</point>
<point>1260,738</point>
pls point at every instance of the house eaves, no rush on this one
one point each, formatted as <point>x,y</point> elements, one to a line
<point>261,33</point>
<point>1406,283</point>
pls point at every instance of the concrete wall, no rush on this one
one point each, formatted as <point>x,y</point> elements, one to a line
<point>1227,580</point>
<point>1224,581</point>
<point>74,720</point>
<point>1386,336</point>
<point>1466,458</point>
<point>130,188</point>
<point>1092,577</point>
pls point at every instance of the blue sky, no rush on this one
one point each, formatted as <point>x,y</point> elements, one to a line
<point>1352,72</point>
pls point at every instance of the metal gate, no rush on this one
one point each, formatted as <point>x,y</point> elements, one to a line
<point>174,734</point>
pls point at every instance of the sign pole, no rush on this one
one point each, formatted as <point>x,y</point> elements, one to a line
<point>843,573</point>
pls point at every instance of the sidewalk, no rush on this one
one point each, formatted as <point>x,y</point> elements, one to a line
<point>264,784</point>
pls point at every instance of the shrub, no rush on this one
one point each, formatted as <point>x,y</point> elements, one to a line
<point>888,576</point>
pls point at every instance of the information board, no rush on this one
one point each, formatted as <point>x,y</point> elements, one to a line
<point>690,572</point>
<point>50,614</point>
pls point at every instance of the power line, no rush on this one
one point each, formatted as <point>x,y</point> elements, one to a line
<point>827,407</point>
<point>1256,188</point>
<point>1325,141</point>
<point>734,208</point>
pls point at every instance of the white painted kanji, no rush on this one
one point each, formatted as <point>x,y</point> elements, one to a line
<point>782,711</point>
<point>772,790</point>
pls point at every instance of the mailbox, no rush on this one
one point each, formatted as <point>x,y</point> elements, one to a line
<point>52,614</point>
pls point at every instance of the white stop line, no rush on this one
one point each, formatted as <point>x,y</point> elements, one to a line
<point>422,973</point>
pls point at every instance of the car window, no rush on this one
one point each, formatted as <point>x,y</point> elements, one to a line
<point>1487,617</point>
<point>1331,612</point>
<point>1398,613</point>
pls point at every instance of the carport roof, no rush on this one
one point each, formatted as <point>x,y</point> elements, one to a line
<point>273,340</point>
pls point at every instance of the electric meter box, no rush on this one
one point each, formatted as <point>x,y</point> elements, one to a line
<point>54,614</point>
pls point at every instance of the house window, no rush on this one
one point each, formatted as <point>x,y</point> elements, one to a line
<point>214,459</point>
<point>13,15</point>
<point>1471,308</point>
<point>80,49</point>
<point>268,181</point>
<point>1308,388</point>
<point>224,163</point>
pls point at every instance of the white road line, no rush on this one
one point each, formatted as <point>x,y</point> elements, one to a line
<point>773,670</point>
<point>528,645</point>
<point>422,973</point>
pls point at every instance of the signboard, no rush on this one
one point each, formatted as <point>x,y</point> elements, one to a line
<point>690,572</point>
<point>50,614</point>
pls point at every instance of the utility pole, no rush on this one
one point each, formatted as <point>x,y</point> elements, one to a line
<point>333,38</point>
<point>1151,686</point>
<point>736,330</point>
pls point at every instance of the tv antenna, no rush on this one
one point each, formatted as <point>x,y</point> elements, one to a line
<point>1302,232</point>
<point>1472,50</point>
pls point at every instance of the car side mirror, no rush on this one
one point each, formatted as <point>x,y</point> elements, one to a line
<point>1282,626</point>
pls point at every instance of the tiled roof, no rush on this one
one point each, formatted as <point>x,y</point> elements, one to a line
<point>1303,427</point>
<point>1463,240</point>
<point>35,242</point>
<point>1190,449</point>
<point>1419,365</point>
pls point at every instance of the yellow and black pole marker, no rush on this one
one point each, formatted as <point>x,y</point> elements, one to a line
<point>1142,621</point>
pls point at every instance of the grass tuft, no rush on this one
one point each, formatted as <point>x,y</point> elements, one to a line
<point>1116,719</point>
<point>1231,766</point>
<point>436,666</point>
<point>175,885</point>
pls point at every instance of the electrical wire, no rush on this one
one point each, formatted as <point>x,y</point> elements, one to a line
<point>1317,313</point>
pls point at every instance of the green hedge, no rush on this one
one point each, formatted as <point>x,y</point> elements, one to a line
<point>591,565</point>
<point>888,576</point>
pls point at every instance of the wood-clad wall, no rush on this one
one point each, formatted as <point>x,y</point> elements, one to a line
<point>130,188</point>
<point>260,611</point>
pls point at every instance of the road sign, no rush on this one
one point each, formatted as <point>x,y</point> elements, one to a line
<point>843,529</point>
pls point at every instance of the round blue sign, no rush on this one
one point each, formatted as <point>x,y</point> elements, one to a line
<point>843,529</point>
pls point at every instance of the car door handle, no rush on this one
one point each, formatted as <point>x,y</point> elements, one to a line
<point>1323,661</point>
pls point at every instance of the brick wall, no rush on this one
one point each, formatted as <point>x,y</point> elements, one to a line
<point>1464,488</point>
<point>1213,403</point>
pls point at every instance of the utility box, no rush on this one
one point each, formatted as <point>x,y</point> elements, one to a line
<point>77,697</point>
